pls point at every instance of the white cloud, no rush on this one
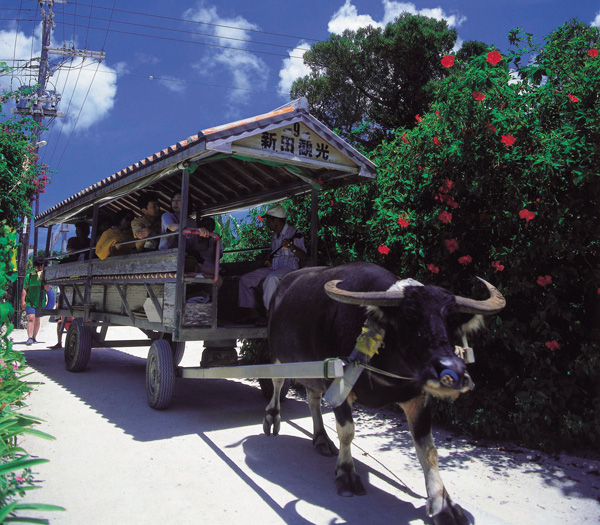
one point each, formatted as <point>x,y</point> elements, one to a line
<point>293,68</point>
<point>86,105</point>
<point>347,17</point>
<point>88,92</point>
<point>244,70</point>
<point>145,58</point>
<point>596,21</point>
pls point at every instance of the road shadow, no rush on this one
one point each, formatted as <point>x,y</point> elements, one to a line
<point>114,387</point>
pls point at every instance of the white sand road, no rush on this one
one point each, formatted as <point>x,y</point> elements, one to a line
<point>206,460</point>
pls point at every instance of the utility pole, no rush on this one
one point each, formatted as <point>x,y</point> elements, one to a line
<point>42,104</point>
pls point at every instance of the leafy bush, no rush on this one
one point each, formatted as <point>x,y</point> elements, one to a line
<point>500,179</point>
<point>20,178</point>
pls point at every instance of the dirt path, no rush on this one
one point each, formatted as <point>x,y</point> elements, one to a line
<point>205,459</point>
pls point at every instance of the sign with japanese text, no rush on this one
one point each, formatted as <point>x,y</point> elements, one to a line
<point>294,141</point>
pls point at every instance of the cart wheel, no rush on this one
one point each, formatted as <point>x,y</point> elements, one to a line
<point>266,385</point>
<point>178,349</point>
<point>78,346</point>
<point>160,374</point>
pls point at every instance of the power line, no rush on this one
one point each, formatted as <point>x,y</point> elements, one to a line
<point>147,26</point>
<point>171,39</point>
<point>191,41</point>
<point>86,95</point>
<point>15,46</point>
<point>200,23</point>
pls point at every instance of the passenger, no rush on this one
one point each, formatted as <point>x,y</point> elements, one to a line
<point>169,222</point>
<point>81,241</point>
<point>30,299</point>
<point>148,224</point>
<point>120,232</point>
<point>207,246</point>
<point>197,246</point>
<point>287,252</point>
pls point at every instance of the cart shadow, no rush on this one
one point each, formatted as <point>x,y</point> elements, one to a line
<point>114,386</point>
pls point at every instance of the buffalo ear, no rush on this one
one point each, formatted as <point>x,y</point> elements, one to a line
<point>375,312</point>
<point>471,324</point>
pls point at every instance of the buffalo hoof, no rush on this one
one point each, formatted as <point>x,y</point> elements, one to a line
<point>325,446</point>
<point>271,422</point>
<point>349,484</point>
<point>452,515</point>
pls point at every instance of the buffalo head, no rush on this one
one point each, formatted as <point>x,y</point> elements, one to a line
<point>420,323</point>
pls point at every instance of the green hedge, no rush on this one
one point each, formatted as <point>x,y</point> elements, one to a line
<point>20,177</point>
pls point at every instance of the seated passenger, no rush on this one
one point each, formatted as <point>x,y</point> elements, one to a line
<point>120,232</point>
<point>148,224</point>
<point>207,246</point>
<point>81,241</point>
<point>196,245</point>
<point>169,222</point>
<point>287,252</point>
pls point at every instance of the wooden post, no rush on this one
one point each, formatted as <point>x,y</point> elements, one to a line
<point>314,226</point>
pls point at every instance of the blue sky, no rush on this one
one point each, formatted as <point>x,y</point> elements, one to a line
<point>171,71</point>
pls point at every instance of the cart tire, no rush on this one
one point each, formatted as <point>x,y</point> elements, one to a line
<point>178,349</point>
<point>160,375</point>
<point>266,385</point>
<point>78,346</point>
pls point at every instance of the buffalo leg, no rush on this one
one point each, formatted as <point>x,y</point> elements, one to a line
<point>272,418</point>
<point>347,481</point>
<point>321,440</point>
<point>439,504</point>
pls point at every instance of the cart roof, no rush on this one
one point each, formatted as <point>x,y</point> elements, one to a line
<point>234,166</point>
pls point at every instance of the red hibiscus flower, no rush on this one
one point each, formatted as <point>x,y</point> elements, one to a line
<point>447,186</point>
<point>448,60</point>
<point>451,245</point>
<point>437,112</point>
<point>489,127</point>
<point>433,268</point>
<point>383,249</point>
<point>465,260</point>
<point>445,217</point>
<point>436,141</point>
<point>508,140</point>
<point>544,280</point>
<point>478,95</point>
<point>526,214</point>
<point>449,200</point>
<point>259,218</point>
<point>494,57</point>
<point>552,345</point>
<point>593,52</point>
<point>499,267</point>
<point>403,222</point>
<point>573,98</point>
<point>418,118</point>
<point>404,138</point>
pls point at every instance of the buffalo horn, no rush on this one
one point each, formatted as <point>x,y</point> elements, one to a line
<point>364,298</point>
<point>490,306</point>
<point>494,304</point>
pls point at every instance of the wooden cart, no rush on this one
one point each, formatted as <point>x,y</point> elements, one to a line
<point>233,167</point>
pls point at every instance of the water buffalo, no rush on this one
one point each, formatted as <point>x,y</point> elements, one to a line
<point>319,312</point>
